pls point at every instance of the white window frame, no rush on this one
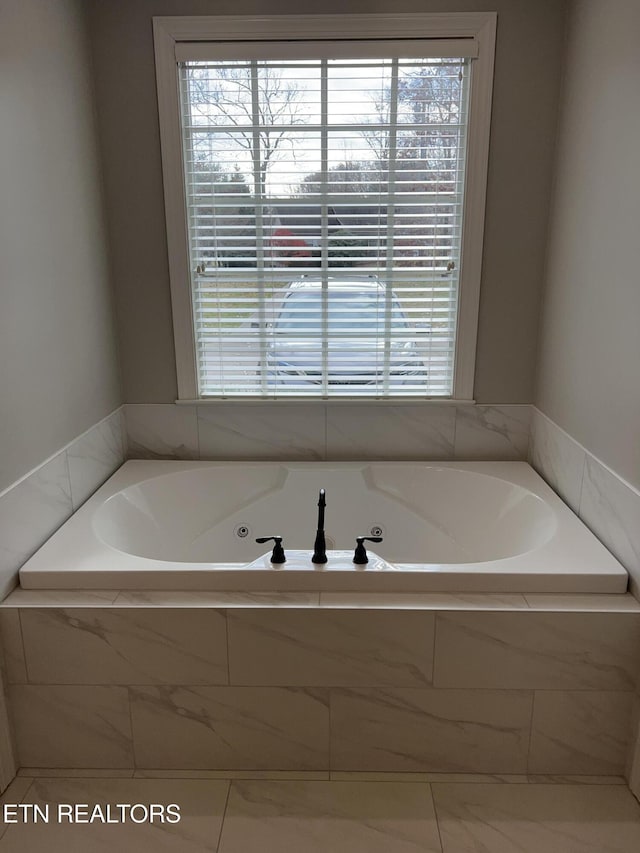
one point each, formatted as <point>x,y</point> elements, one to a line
<point>171,31</point>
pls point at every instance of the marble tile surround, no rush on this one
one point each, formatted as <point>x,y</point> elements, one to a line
<point>606,503</point>
<point>325,432</point>
<point>33,508</point>
<point>321,689</point>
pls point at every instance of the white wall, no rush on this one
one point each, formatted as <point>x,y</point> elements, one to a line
<point>587,439</point>
<point>58,359</point>
<point>589,358</point>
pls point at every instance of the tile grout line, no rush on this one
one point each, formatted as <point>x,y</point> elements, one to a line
<point>133,742</point>
<point>226,633</point>
<point>435,640</point>
<point>330,744</point>
<point>435,812</point>
<point>24,651</point>
<point>433,655</point>
<point>224,814</point>
<point>533,704</point>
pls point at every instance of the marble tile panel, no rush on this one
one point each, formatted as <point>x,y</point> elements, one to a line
<point>611,509</point>
<point>203,598</point>
<point>71,726</point>
<point>94,457</point>
<point>29,513</point>
<point>390,432</point>
<point>15,793</point>
<point>280,431</point>
<point>75,773</point>
<point>537,819</point>
<point>582,731</point>
<point>278,775</point>
<point>125,646</point>
<point>330,648</point>
<point>529,650</point>
<point>59,598</point>
<point>404,729</point>
<point>341,817</point>
<point>201,802</point>
<point>604,603</point>
<point>422,601</point>
<point>161,431</point>
<point>230,728</point>
<point>573,779</point>
<point>459,778</point>
<point>492,432</point>
<point>557,458</point>
<point>14,665</point>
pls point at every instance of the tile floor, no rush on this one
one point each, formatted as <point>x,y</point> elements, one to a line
<point>352,813</point>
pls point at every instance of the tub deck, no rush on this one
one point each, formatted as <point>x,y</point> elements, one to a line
<point>127,545</point>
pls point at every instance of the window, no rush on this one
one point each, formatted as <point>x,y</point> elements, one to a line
<point>325,202</point>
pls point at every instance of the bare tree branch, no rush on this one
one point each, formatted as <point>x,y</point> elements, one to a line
<point>225,99</point>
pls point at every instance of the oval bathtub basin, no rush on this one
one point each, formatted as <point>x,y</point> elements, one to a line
<point>428,514</point>
<point>478,527</point>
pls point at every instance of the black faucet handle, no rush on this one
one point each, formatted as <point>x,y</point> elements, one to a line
<point>277,555</point>
<point>360,555</point>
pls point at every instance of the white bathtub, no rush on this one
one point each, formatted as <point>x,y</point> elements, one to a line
<point>447,527</point>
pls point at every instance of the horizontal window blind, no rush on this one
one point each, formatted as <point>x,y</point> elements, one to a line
<point>325,205</point>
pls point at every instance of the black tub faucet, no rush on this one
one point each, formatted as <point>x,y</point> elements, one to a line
<point>277,555</point>
<point>360,555</point>
<point>320,547</point>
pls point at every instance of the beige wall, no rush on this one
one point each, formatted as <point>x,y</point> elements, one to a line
<point>58,364</point>
<point>530,39</point>
<point>589,378</point>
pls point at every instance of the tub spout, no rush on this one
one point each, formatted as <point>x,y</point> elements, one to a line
<point>319,547</point>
